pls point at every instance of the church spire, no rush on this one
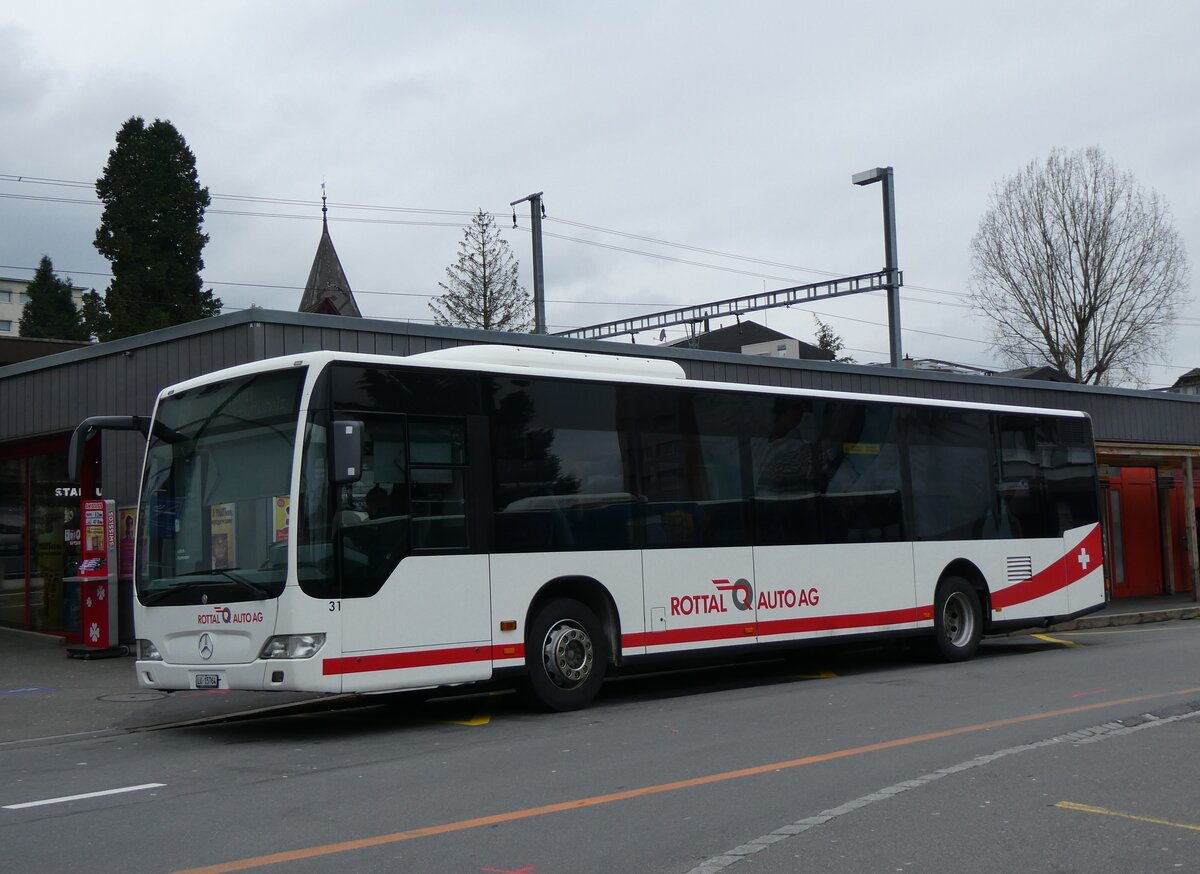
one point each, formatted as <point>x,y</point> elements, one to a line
<point>328,290</point>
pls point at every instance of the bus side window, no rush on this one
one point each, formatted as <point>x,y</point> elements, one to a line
<point>372,527</point>
<point>949,464</point>
<point>437,473</point>
<point>1022,486</point>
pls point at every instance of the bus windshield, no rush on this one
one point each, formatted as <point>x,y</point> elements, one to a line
<point>214,509</point>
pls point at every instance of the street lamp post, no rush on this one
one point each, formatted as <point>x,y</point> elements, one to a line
<point>867,177</point>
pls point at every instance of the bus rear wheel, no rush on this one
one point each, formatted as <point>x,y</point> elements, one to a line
<point>957,620</point>
<point>566,652</point>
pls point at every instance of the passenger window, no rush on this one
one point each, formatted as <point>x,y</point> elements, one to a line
<point>438,456</point>
<point>559,467</point>
<point>372,519</point>
<point>950,464</point>
<point>1022,486</point>
<point>412,496</point>
<point>690,469</point>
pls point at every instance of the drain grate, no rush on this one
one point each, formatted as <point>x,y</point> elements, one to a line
<point>128,697</point>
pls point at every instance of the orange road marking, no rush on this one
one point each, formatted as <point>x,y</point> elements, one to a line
<point>644,791</point>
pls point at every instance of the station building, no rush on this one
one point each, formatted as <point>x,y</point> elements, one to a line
<point>1148,442</point>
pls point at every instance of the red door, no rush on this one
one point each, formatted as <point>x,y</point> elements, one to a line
<point>1140,550</point>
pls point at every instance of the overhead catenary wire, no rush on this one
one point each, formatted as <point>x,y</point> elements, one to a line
<point>466,214</point>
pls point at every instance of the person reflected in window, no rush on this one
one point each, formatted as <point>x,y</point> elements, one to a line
<point>377,503</point>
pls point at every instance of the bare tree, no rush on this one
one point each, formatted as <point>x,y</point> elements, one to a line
<point>1079,268</point>
<point>482,290</point>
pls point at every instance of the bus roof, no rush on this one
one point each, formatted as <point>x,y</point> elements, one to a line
<point>493,358</point>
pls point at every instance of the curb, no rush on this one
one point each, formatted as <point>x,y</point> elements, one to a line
<point>1112,620</point>
<point>325,702</point>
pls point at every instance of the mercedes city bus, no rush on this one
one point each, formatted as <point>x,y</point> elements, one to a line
<point>355,523</point>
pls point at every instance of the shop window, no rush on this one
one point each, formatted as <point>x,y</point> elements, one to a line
<point>53,545</point>
<point>12,542</point>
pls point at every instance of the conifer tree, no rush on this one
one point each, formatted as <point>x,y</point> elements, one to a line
<point>50,312</point>
<point>482,289</point>
<point>151,232</point>
<point>831,342</point>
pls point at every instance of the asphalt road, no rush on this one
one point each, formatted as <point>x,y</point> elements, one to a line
<point>1070,753</point>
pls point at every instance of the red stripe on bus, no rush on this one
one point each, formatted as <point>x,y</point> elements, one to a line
<point>777,626</point>
<point>903,616</point>
<point>1082,560</point>
<point>740,631</point>
<point>427,658</point>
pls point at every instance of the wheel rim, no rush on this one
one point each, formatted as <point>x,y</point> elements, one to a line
<point>567,654</point>
<point>958,620</point>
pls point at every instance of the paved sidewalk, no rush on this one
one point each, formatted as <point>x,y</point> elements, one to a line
<point>45,694</point>
<point>1134,611</point>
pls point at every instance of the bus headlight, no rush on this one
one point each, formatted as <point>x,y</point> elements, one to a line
<point>293,646</point>
<point>148,652</point>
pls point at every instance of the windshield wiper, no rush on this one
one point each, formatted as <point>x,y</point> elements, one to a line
<point>255,589</point>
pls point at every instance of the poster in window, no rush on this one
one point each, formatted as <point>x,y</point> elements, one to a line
<point>282,516</point>
<point>127,533</point>
<point>221,536</point>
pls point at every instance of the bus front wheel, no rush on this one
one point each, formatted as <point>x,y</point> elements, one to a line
<point>957,620</point>
<point>566,652</point>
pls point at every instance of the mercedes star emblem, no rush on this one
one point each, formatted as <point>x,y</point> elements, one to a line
<point>206,646</point>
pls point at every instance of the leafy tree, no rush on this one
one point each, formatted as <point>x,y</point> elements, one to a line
<point>830,342</point>
<point>51,312</point>
<point>481,290</point>
<point>150,231</point>
<point>1078,267</point>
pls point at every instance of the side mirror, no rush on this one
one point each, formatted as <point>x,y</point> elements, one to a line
<point>346,451</point>
<point>93,425</point>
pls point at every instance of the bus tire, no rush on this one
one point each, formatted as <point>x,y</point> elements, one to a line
<point>957,620</point>
<point>566,653</point>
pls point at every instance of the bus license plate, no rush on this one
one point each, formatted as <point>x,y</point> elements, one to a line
<point>208,681</point>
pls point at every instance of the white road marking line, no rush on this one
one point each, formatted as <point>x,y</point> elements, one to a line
<point>718,864</point>
<point>67,798</point>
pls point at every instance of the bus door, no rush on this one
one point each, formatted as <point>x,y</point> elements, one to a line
<point>415,593</point>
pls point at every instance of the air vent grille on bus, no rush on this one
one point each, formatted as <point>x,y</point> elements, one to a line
<point>1020,568</point>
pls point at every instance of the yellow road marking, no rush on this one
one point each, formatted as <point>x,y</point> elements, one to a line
<point>306,853</point>
<point>1103,811</point>
<point>483,719</point>
<point>823,675</point>
<point>1050,639</point>
<point>1138,630</point>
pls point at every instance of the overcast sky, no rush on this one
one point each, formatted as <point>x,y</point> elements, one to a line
<point>729,127</point>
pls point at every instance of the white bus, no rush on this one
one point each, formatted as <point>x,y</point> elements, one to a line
<point>354,523</point>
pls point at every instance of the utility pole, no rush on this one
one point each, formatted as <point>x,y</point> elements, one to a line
<point>884,174</point>
<point>537,212</point>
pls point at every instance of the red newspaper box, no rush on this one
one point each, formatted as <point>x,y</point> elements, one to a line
<point>98,580</point>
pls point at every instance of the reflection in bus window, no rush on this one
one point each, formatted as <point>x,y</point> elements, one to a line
<point>949,453</point>
<point>559,467</point>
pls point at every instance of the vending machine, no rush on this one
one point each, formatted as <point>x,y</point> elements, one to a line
<point>97,578</point>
